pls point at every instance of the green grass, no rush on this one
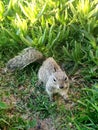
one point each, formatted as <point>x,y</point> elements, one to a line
<point>65,30</point>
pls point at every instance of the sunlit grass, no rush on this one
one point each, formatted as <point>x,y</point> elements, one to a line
<point>29,10</point>
<point>84,7</point>
<point>20,25</point>
<point>1,10</point>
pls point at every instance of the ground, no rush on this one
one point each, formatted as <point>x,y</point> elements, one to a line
<point>29,102</point>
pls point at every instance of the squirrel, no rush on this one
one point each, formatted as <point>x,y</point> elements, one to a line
<point>55,80</point>
<point>50,73</point>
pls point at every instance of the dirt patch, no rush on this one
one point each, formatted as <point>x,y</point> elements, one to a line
<point>46,124</point>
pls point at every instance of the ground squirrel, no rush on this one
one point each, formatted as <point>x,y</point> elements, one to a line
<point>50,73</point>
<point>55,80</point>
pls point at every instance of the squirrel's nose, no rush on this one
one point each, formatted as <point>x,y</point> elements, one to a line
<point>61,87</point>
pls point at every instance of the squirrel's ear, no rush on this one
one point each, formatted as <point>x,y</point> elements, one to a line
<point>54,69</point>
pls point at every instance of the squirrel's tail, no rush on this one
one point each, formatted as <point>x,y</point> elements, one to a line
<point>27,56</point>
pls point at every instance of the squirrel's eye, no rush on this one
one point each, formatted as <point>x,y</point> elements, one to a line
<point>54,80</point>
<point>65,78</point>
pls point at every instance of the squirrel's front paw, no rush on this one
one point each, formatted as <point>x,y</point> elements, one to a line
<point>66,98</point>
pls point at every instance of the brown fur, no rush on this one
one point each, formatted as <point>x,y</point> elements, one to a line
<point>55,80</point>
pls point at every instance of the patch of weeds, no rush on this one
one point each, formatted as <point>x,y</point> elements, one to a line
<point>40,104</point>
<point>87,110</point>
<point>12,119</point>
<point>15,92</point>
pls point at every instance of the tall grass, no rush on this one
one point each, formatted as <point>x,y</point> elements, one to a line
<point>51,25</point>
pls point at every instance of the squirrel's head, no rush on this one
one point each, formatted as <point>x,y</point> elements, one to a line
<point>59,80</point>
